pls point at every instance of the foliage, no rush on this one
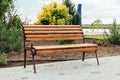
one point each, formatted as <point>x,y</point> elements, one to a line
<point>14,22</point>
<point>54,14</point>
<point>10,33</point>
<point>96,24</point>
<point>70,5</point>
<point>8,16</point>
<point>10,23</point>
<point>3,59</point>
<point>5,6</point>
<point>114,36</point>
<point>10,40</point>
<point>72,11</point>
<point>67,42</point>
<point>76,19</point>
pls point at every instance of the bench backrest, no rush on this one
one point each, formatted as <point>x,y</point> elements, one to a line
<point>52,32</point>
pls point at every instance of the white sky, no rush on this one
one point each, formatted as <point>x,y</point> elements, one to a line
<point>106,10</point>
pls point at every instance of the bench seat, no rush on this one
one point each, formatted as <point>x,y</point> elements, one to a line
<point>55,49</point>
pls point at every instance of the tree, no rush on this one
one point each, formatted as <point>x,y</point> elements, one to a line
<point>9,20</point>
<point>72,11</point>
<point>70,5</point>
<point>14,20</point>
<point>54,14</point>
<point>5,6</point>
<point>8,16</point>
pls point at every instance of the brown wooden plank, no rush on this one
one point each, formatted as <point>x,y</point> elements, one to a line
<point>52,26</point>
<point>53,35</point>
<point>52,29</point>
<point>47,32</point>
<point>56,38</point>
<point>66,50</point>
<point>64,46</point>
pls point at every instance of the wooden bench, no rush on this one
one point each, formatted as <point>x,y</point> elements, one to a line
<point>33,33</point>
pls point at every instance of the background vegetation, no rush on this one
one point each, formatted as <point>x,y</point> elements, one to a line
<point>54,14</point>
<point>76,20</point>
<point>10,32</point>
<point>114,37</point>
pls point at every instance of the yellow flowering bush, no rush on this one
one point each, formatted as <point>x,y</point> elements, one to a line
<point>54,14</point>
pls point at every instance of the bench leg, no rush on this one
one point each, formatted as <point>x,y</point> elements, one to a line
<point>25,58</point>
<point>33,60</point>
<point>83,56</point>
<point>96,57</point>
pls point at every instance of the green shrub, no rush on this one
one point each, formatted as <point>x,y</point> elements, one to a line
<point>67,42</point>
<point>3,59</point>
<point>114,36</point>
<point>54,14</point>
<point>11,40</point>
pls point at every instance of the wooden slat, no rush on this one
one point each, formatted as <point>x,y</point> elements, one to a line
<point>37,32</point>
<point>55,38</point>
<point>64,46</point>
<point>66,50</point>
<point>52,26</point>
<point>53,35</point>
<point>52,29</point>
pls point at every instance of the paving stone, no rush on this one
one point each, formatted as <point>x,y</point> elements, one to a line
<point>109,69</point>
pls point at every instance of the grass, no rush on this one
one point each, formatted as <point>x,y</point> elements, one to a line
<point>103,26</point>
<point>95,36</point>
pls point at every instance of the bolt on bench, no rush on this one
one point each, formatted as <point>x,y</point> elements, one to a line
<point>36,33</point>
